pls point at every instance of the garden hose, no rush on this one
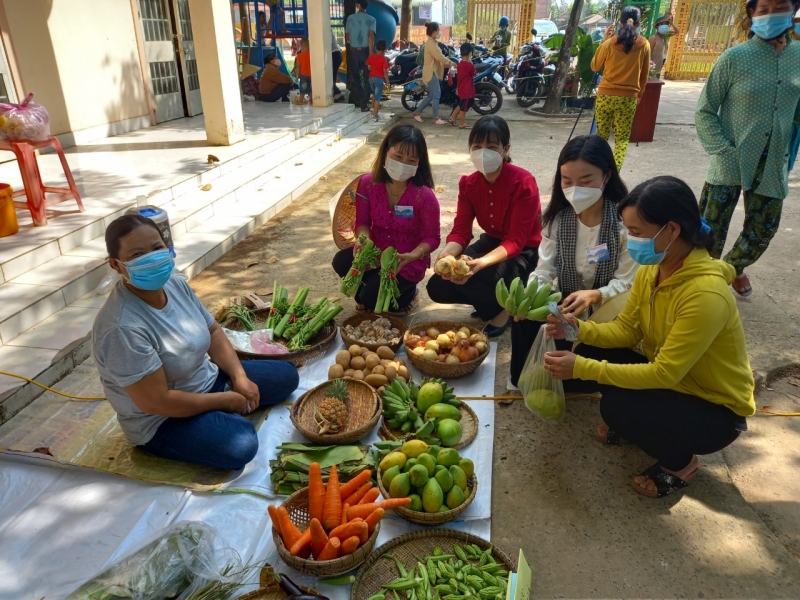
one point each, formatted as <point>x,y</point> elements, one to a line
<point>49,389</point>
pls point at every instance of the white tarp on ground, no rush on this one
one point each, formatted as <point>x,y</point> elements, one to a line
<point>59,526</point>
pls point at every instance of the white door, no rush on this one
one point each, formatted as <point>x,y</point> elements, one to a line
<point>191,82</point>
<point>159,53</point>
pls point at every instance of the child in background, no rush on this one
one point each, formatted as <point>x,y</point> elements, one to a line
<point>378,73</point>
<point>465,75</point>
<point>303,65</point>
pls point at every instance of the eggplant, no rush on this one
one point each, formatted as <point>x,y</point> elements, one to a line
<point>289,586</point>
<point>305,596</point>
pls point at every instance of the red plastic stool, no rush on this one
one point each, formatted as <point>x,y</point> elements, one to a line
<point>35,191</point>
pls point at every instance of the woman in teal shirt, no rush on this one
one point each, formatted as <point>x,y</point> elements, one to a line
<point>744,120</point>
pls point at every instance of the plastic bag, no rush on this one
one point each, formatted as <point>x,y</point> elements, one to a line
<point>543,395</point>
<point>26,121</point>
<point>176,563</point>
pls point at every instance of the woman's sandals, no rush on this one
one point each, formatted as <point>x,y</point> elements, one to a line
<point>605,435</point>
<point>655,482</point>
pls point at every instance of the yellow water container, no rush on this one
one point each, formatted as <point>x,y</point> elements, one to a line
<point>8,216</point>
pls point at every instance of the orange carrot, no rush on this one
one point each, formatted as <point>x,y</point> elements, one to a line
<point>316,492</point>
<point>318,538</point>
<point>355,520</point>
<point>273,514</point>
<point>344,514</point>
<point>365,510</point>
<point>370,496</point>
<point>374,517</point>
<point>351,486</point>
<point>359,529</point>
<point>356,496</point>
<point>331,550</point>
<point>349,546</point>
<point>289,531</point>
<point>300,546</point>
<point>332,510</point>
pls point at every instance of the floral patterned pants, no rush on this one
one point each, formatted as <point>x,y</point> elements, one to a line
<point>616,111</point>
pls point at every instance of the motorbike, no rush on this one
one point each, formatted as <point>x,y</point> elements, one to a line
<point>482,56</point>
<point>405,62</point>
<point>532,76</point>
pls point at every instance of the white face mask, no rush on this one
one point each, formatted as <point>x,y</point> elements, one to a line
<point>582,198</point>
<point>399,171</point>
<point>486,160</point>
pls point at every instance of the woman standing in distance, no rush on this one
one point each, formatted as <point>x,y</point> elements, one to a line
<point>432,73</point>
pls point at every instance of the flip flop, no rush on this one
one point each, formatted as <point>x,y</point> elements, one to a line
<point>666,483</point>
<point>466,127</point>
<point>418,119</point>
<point>744,289</point>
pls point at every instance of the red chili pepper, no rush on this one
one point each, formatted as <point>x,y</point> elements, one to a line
<point>355,272</point>
<point>293,319</point>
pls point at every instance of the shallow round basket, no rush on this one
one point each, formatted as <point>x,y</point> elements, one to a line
<point>270,589</point>
<point>357,320</point>
<point>440,518</point>
<point>469,429</point>
<point>437,369</point>
<point>363,411</point>
<point>343,219</point>
<point>297,507</point>
<point>378,570</point>
<point>316,346</point>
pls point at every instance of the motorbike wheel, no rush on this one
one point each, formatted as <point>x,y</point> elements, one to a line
<point>488,99</point>
<point>511,86</point>
<point>411,99</point>
<point>532,93</point>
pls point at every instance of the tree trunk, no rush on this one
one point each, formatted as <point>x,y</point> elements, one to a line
<point>553,103</point>
<point>405,23</point>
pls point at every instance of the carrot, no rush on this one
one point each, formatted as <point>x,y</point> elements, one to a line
<point>375,516</point>
<point>318,538</point>
<point>289,531</point>
<point>303,543</point>
<point>370,496</point>
<point>355,520</point>
<point>316,492</point>
<point>331,550</point>
<point>359,529</point>
<point>273,514</point>
<point>332,509</point>
<point>351,486</point>
<point>365,510</point>
<point>356,496</point>
<point>344,514</point>
<point>349,546</point>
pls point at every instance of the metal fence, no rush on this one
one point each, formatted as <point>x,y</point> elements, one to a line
<point>484,15</point>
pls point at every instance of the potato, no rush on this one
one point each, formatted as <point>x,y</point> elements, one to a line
<point>349,372</point>
<point>355,350</point>
<point>367,372</point>
<point>373,361</point>
<point>376,381</point>
<point>385,362</point>
<point>390,373</point>
<point>357,363</point>
<point>379,370</point>
<point>385,352</point>
<point>401,362</point>
<point>402,371</point>
<point>343,358</point>
<point>336,372</point>
<point>358,375</point>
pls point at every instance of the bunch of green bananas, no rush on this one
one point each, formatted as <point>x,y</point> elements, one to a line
<point>526,302</point>
<point>401,412</point>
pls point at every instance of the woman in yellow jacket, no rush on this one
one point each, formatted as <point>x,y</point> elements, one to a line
<point>432,73</point>
<point>692,390</point>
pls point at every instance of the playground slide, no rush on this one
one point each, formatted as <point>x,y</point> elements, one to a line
<point>387,21</point>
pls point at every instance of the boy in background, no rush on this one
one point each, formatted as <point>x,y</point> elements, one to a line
<point>378,73</point>
<point>303,65</point>
<point>465,75</point>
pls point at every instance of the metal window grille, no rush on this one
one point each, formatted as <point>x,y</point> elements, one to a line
<point>155,21</point>
<point>186,21</point>
<point>164,76</point>
<point>191,75</point>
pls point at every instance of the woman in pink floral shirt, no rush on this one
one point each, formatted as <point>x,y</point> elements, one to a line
<point>396,206</point>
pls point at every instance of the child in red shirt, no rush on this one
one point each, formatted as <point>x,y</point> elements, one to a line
<point>465,75</point>
<point>303,65</point>
<point>378,73</point>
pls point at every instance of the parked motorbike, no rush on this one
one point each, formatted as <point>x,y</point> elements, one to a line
<point>488,97</point>
<point>532,76</point>
<point>482,56</point>
<point>405,62</point>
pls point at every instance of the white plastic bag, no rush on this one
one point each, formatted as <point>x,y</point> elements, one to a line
<point>543,395</point>
<point>26,121</point>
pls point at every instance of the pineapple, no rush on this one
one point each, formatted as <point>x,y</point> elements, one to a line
<point>331,413</point>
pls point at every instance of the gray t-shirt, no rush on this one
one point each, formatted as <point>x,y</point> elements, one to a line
<point>131,340</point>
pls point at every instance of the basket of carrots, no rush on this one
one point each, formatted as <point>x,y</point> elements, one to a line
<point>326,531</point>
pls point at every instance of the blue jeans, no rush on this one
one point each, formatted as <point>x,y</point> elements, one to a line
<point>434,94</point>
<point>376,85</point>
<point>219,439</point>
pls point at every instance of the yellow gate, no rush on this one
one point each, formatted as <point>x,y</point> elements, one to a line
<point>708,28</point>
<point>483,16</point>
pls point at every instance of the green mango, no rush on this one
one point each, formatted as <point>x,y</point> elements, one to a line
<point>434,451</point>
<point>432,496</point>
<point>410,463</point>
<point>468,466</point>
<point>388,475</point>
<point>416,502</point>
<point>400,486</point>
<point>439,469</point>
<point>418,475</point>
<point>428,462</point>
<point>443,411</point>
<point>455,497</point>
<point>443,508</point>
<point>448,457</point>
<point>459,477</point>
<point>445,479</point>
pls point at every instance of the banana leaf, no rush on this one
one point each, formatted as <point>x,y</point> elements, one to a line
<point>326,458</point>
<point>303,447</point>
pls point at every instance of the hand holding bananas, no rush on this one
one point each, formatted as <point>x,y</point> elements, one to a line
<point>526,302</point>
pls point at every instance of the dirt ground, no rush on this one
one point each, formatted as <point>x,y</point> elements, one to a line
<point>565,500</point>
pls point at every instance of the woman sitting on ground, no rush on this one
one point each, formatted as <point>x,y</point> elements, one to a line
<point>504,199</point>
<point>396,206</point>
<point>584,245</point>
<point>274,84</point>
<point>166,366</point>
<point>691,391</point>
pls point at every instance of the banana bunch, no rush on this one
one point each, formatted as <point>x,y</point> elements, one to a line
<point>401,412</point>
<point>526,302</point>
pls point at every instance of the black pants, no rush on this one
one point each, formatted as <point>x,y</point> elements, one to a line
<point>357,65</point>
<point>370,284</point>
<point>479,289</point>
<point>336,59</point>
<point>279,92</point>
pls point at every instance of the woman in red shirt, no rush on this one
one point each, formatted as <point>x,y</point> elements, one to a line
<point>505,201</point>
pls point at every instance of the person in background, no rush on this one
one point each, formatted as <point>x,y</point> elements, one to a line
<point>691,391</point>
<point>262,24</point>
<point>597,35</point>
<point>659,41</point>
<point>378,74</point>
<point>584,245</point>
<point>360,38</point>
<point>794,143</point>
<point>504,199</point>
<point>274,84</point>
<point>302,65</point>
<point>336,62</point>
<point>624,59</point>
<point>432,73</point>
<point>501,38</point>
<point>250,84</point>
<point>396,206</point>
<point>744,120</point>
<point>465,75</point>
<point>167,368</point>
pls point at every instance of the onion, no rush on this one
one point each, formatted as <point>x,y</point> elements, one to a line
<point>456,351</point>
<point>445,265</point>
<point>429,354</point>
<point>432,345</point>
<point>443,341</point>
<point>452,360</point>
<point>464,343</point>
<point>433,333</point>
<point>469,353</point>
<point>481,347</point>
<point>461,267</point>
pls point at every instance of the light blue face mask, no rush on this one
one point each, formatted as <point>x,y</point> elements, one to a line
<point>769,27</point>
<point>797,28</point>
<point>643,250</point>
<point>663,29</point>
<point>150,271</point>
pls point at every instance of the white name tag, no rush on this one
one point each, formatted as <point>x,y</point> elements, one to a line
<point>597,254</point>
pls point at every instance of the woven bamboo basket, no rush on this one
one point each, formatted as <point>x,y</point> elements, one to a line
<point>363,411</point>
<point>297,506</point>
<point>379,570</point>
<point>423,518</point>
<point>437,369</point>
<point>317,345</point>
<point>270,589</point>
<point>358,318</point>
<point>343,220</point>
<point>469,428</point>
